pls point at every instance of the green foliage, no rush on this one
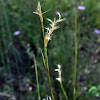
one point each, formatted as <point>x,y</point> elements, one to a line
<point>94,91</point>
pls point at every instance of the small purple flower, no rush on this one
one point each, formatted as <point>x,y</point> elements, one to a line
<point>96,31</point>
<point>81,8</point>
<point>57,13</point>
<point>17,33</point>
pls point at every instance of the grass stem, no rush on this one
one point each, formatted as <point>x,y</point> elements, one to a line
<point>47,71</point>
<point>64,91</point>
<point>46,59</point>
<point>37,78</point>
<point>75,69</point>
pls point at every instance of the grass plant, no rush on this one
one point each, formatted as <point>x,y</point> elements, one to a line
<point>75,47</point>
<point>47,37</point>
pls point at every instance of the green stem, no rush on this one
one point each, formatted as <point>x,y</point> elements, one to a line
<point>3,63</point>
<point>64,91</point>
<point>75,70</point>
<point>37,79</point>
<point>47,71</point>
<point>6,20</point>
<point>46,59</point>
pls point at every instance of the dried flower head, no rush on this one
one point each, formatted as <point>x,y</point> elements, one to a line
<point>38,10</point>
<point>53,26</point>
<point>59,73</point>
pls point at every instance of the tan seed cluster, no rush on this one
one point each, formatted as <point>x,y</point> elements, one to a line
<point>53,24</point>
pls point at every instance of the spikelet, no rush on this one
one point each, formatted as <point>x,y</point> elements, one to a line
<point>59,73</point>
<point>48,98</point>
<point>53,24</point>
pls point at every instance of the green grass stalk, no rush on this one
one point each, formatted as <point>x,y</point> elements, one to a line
<point>64,91</point>
<point>46,58</point>
<point>47,71</point>
<point>3,63</point>
<point>75,69</point>
<point>37,78</point>
<point>6,19</point>
<point>46,64</point>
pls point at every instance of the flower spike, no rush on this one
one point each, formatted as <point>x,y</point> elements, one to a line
<point>59,73</point>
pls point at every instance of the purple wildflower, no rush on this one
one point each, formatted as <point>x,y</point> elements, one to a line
<point>57,13</point>
<point>17,33</point>
<point>96,31</point>
<point>81,8</point>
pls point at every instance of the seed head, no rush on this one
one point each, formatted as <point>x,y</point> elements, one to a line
<point>48,98</point>
<point>38,10</point>
<point>59,73</point>
<point>53,26</point>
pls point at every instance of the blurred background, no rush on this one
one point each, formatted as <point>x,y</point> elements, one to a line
<point>21,37</point>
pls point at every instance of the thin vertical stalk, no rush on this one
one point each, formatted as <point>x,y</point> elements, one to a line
<point>2,53</point>
<point>42,25</point>
<point>47,71</point>
<point>49,82</point>
<point>6,19</point>
<point>75,69</point>
<point>37,78</point>
<point>64,91</point>
<point>3,63</point>
<point>46,60</point>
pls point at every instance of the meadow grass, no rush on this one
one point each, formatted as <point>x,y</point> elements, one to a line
<point>78,38</point>
<point>9,47</point>
<point>47,37</point>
